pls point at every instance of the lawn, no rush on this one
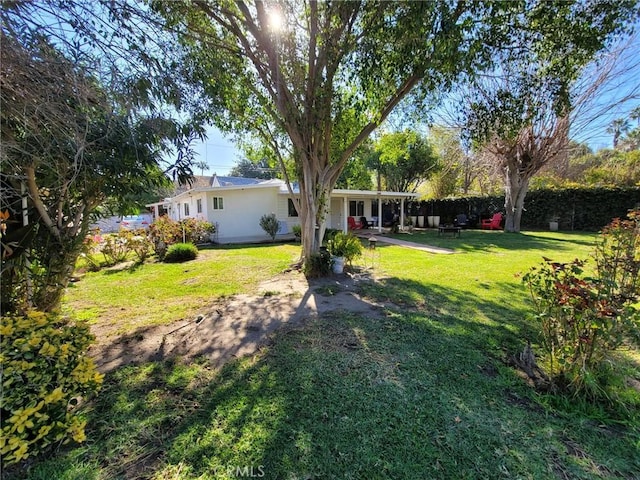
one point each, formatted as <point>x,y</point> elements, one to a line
<point>159,293</point>
<point>421,391</point>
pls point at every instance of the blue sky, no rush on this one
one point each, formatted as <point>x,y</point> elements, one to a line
<point>218,151</point>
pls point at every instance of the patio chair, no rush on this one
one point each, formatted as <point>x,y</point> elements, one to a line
<point>352,224</point>
<point>364,223</point>
<point>461,221</point>
<point>492,223</point>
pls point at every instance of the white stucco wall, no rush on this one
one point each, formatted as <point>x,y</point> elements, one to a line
<point>239,219</point>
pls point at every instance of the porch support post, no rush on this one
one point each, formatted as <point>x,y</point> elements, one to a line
<point>379,213</point>
<point>345,212</point>
<point>402,213</point>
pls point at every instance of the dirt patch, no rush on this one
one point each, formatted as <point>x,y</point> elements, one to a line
<point>239,325</point>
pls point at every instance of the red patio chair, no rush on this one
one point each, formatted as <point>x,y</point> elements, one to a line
<point>492,223</point>
<point>352,224</point>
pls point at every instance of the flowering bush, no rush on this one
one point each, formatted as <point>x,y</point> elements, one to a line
<point>115,248</point>
<point>45,373</point>
<point>585,318</point>
<point>90,247</point>
<point>165,232</point>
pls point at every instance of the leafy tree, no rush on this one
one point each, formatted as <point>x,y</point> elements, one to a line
<point>357,172</point>
<point>520,115</point>
<point>406,160</point>
<point>66,150</point>
<point>247,168</point>
<point>315,89</point>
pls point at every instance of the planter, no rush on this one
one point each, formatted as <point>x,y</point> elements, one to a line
<point>337,264</point>
<point>436,220</point>
<point>430,220</point>
<point>553,226</point>
<point>421,221</point>
<point>414,220</point>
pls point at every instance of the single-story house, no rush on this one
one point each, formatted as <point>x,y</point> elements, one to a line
<point>235,205</point>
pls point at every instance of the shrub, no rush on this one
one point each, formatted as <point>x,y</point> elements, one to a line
<point>115,248</point>
<point>181,252</point>
<point>90,247</point>
<point>269,223</point>
<point>45,373</point>
<point>345,245</point>
<point>297,232</point>
<point>329,233</point>
<point>196,231</point>
<point>164,232</point>
<point>318,264</point>
<point>140,244</point>
<point>584,319</point>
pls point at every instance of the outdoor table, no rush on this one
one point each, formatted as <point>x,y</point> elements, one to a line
<point>449,229</point>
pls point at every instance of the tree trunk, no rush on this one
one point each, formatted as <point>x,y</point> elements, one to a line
<point>59,271</point>
<point>314,199</point>
<point>516,188</point>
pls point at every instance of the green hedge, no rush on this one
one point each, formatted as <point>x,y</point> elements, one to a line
<point>587,209</point>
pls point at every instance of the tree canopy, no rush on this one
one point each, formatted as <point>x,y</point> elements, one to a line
<point>69,147</point>
<point>519,114</point>
<point>405,159</point>
<point>316,86</point>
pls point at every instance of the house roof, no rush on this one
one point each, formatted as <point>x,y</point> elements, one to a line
<point>216,183</point>
<point>234,181</point>
<point>340,192</point>
<point>200,182</point>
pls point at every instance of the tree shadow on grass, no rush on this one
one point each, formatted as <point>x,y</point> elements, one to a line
<point>484,240</point>
<point>416,393</point>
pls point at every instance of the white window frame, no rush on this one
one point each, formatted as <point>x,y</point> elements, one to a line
<point>218,203</point>
<point>199,205</point>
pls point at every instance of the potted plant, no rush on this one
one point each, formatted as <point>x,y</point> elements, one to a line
<point>421,217</point>
<point>343,247</point>
<point>413,208</point>
<point>408,222</point>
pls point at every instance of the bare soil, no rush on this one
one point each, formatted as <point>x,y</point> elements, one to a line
<point>236,326</point>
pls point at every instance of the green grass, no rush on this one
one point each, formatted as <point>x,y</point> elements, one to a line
<point>419,391</point>
<point>157,293</point>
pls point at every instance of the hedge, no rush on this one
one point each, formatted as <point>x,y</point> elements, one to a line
<point>588,209</point>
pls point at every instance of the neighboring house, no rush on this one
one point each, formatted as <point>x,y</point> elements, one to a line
<point>235,205</point>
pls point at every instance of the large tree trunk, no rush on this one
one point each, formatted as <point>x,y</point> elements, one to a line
<point>315,196</point>
<point>516,188</point>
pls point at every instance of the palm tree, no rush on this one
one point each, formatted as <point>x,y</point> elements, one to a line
<point>635,115</point>
<point>202,165</point>
<point>617,128</point>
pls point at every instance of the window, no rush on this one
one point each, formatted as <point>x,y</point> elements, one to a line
<point>356,208</point>
<point>199,205</point>
<point>217,203</point>
<point>186,209</point>
<point>292,208</point>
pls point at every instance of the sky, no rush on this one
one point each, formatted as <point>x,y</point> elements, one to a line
<point>218,151</point>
